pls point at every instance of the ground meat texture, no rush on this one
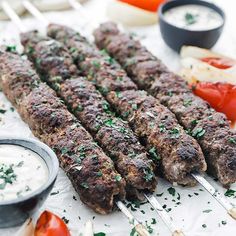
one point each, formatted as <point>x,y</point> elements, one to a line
<point>172,91</point>
<point>93,63</point>
<point>88,105</point>
<point>168,85</point>
<point>17,77</point>
<point>91,172</point>
<point>50,58</point>
<point>113,134</point>
<point>179,153</point>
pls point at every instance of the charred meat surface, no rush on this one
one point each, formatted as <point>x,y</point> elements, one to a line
<point>173,92</point>
<point>179,154</point>
<point>96,67</point>
<point>91,172</point>
<point>89,106</point>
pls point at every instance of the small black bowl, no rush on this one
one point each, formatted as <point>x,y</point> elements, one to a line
<point>15,212</point>
<point>175,37</point>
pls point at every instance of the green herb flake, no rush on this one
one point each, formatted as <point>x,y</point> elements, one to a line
<point>223,222</point>
<point>230,193</point>
<point>204,226</point>
<point>84,185</point>
<point>153,221</point>
<point>79,108</point>
<point>2,111</point>
<point>232,140</point>
<point>190,18</point>
<point>198,133</point>
<point>171,191</point>
<point>162,128</point>
<point>187,102</point>
<point>153,153</point>
<point>207,211</point>
<point>11,48</point>
<point>99,234</point>
<point>99,173</point>
<point>149,175</point>
<point>118,178</point>
<point>175,132</point>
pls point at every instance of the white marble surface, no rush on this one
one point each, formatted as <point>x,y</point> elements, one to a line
<point>189,214</point>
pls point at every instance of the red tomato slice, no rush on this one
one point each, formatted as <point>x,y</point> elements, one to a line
<point>50,224</point>
<point>221,96</point>
<point>149,5</point>
<point>220,63</point>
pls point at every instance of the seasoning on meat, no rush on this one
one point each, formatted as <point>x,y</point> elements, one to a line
<point>192,112</point>
<point>186,160</point>
<point>82,98</point>
<point>49,120</point>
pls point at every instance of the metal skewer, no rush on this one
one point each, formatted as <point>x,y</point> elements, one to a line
<point>139,227</point>
<point>151,199</point>
<point>230,208</point>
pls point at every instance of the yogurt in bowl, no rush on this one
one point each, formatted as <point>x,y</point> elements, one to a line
<point>22,171</point>
<point>28,170</point>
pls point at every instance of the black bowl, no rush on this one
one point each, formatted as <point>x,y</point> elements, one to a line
<point>175,37</point>
<point>15,212</point>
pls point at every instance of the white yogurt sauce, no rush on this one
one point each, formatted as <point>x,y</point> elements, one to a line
<point>22,171</point>
<point>193,17</point>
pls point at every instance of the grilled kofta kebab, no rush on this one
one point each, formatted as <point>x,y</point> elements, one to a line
<point>90,171</point>
<point>56,66</point>
<point>211,129</point>
<point>159,130</point>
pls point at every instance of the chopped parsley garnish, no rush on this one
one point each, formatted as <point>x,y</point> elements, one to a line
<point>153,221</point>
<point>65,220</point>
<point>64,150</point>
<point>11,48</point>
<point>106,107</point>
<point>149,175</point>
<point>204,226</point>
<point>7,175</point>
<point>134,106</point>
<point>207,211</point>
<point>159,194</point>
<point>99,234</point>
<point>99,173</point>
<point>198,133</point>
<point>54,193</point>
<point>187,102</point>
<point>230,193</point>
<point>175,133</point>
<point>194,122</point>
<point>223,222</point>
<point>171,191</point>
<point>118,178</point>
<point>96,64</point>
<point>232,140</point>
<point>190,18</point>
<point>84,185</point>
<point>153,153</point>
<point>162,128</point>
<point>2,111</point>
<point>109,123</point>
<point>79,108</point>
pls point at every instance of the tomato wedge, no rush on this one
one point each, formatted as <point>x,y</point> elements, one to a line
<point>221,96</point>
<point>149,5</point>
<point>220,63</point>
<point>50,224</point>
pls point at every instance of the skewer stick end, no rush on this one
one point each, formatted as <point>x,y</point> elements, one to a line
<point>141,230</point>
<point>178,233</point>
<point>232,212</point>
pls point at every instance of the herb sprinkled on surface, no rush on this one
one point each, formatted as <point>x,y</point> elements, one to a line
<point>190,18</point>
<point>230,193</point>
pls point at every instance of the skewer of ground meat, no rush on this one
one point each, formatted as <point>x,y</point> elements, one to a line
<point>210,128</point>
<point>91,172</point>
<point>179,153</point>
<point>56,66</point>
